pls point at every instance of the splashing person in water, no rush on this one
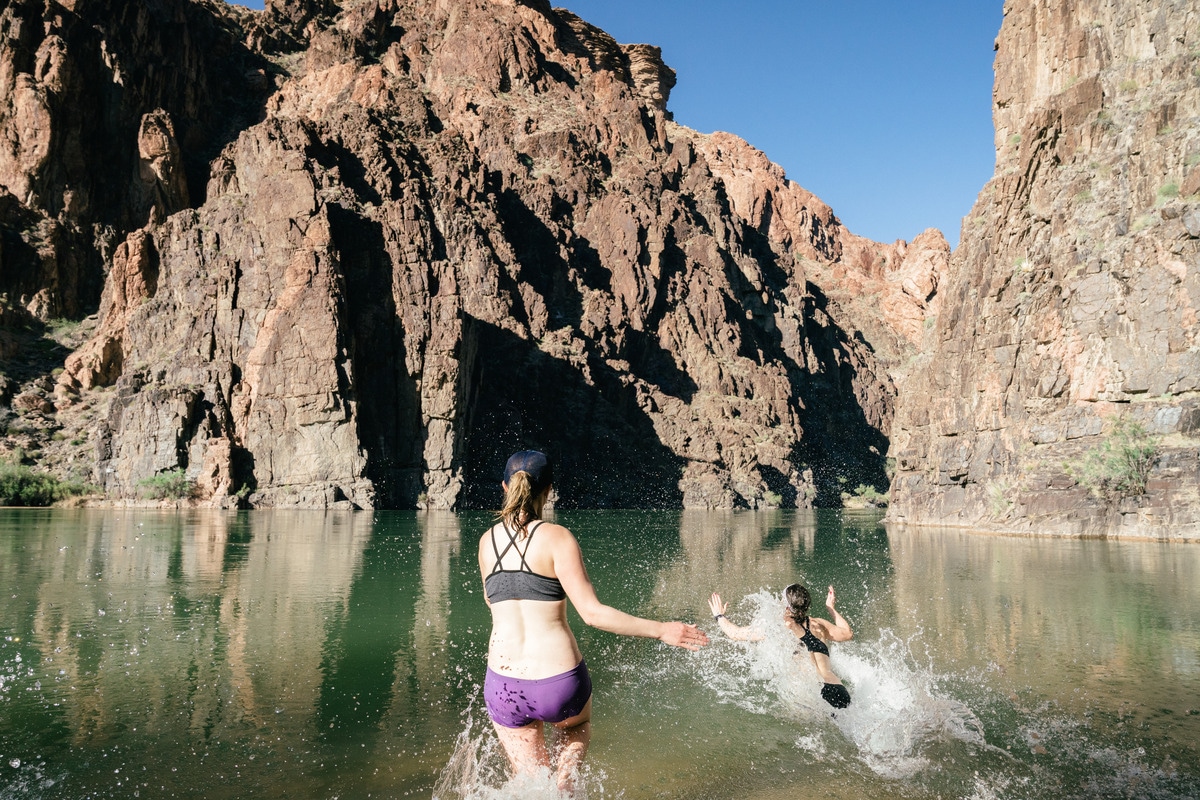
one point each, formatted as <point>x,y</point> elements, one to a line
<point>813,633</point>
<point>536,672</point>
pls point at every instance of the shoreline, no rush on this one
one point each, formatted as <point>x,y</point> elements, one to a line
<point>1189,538</point>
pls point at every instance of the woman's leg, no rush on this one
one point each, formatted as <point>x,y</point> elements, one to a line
<point>525,747</point>
<point>573,736</point>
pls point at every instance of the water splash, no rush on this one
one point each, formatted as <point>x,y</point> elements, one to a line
<point>990,788</point>
<point>1070,763</point>
<point>476,766</point>
<point>478,770</point>
<point>898,711</point>
<point>899,708</point>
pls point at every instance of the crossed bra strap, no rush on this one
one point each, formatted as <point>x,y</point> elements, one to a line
<point>521,583</point>
<point>512,545</point>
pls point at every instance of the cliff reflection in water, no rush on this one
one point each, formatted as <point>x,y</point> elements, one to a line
<point>310,654</point>
<point>739,553</point>
<point>213,612</point>
<point>213,630</point>
<point>1087,625</point>
<point>425,657</point>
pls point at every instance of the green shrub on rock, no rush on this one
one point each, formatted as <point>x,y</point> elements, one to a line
<point>24,486</point>
<point>173,485</point>
<point>1119,466</point>
<point>865,496</point>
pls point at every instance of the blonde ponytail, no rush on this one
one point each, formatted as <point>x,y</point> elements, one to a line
<point>520,503</point>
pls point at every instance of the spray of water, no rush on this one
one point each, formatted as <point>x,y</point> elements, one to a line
<point>897,712</point>
<point>1071,763</point>
<point>478,770</point>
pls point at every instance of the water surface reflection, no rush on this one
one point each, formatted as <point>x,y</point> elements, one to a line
<point>299,654</point>
<point>1104,632</point>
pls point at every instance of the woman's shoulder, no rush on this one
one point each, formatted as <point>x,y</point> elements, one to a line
<point>551,530</point>
<point>553,538</point>
<point>539,529</point>
<point>484,540</point>
<point>827,630</point>
<point>493,537</point>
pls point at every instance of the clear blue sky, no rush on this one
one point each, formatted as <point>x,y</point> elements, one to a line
<point>881,108</point>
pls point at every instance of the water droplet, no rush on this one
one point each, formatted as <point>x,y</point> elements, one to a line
<point>15,763</point>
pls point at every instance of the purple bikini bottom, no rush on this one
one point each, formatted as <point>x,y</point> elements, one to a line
<point>516,702</point>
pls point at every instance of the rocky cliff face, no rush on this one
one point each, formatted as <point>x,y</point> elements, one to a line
<point>110,113</point>
<point>356,253</point>
<point>1068,331</point>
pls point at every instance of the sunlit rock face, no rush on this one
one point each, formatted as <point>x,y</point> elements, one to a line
<point>1069,312</point>
<point>427,234</point>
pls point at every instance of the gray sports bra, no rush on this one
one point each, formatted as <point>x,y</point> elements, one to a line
<point>523,583</point>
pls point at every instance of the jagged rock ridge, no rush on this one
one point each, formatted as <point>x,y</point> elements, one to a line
<point>427,234</point>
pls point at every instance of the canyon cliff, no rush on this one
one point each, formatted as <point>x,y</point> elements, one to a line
<point>1059,392</point>
<point>354,253</point>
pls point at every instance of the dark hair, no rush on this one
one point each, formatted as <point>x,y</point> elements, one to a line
<point>527,477</point>
<point>798,601</point>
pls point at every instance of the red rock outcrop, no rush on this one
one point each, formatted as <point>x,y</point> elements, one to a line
<point>108,111</point>
<point>1069,313</point>
<point>895,286</point>
<point>464,227</point>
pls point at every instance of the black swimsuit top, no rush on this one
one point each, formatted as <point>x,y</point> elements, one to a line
<point>812,643</point>
<point>523,583</point>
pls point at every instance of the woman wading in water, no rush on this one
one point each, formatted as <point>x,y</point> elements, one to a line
<point>813,633</point>
<point>535,671</point>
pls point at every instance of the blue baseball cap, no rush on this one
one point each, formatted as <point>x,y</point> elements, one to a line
<point>533,463</point>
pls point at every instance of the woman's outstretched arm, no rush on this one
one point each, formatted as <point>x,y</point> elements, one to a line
<point>742,634</point>
<point>568,567</point>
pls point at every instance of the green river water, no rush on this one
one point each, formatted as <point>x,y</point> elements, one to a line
<point>341,655</point>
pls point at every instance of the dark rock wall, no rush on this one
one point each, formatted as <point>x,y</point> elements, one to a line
<point>109,112</point>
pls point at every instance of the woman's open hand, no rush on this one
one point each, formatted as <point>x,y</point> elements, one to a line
<point>716,605</point>
<point>830,599</point>
<point>680,634</point>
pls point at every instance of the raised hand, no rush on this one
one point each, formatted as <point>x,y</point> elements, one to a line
<point>716,605</point>
<point>830,599</point>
